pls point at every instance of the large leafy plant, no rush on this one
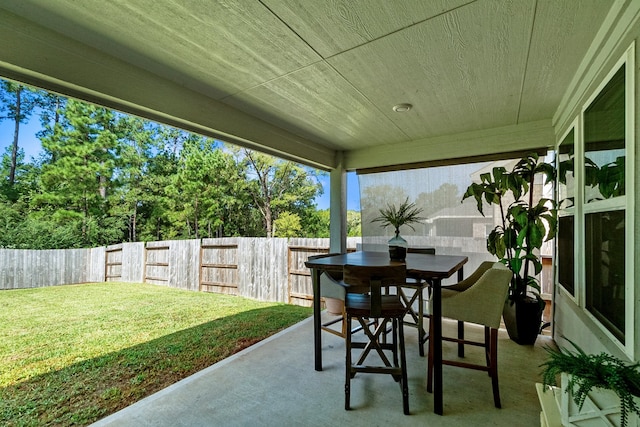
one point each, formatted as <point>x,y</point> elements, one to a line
<point>524,224</point>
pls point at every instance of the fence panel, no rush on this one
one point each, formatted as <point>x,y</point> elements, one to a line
<point>156,265</point>
<point>133,262</point>
<point>184,264</point>
<point>97,262</point>
<point>113,263</point>
<point>27,268</point>
<point>262,269</point>
<point>300,287</point>
<point>219,266</point>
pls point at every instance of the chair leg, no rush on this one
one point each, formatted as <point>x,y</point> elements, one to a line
<point>420,321</point>
<point>430,359</point>
<point>494,367</point>
<point>461,338</point>
<point>394,341</point>
<point>347,383</point>
<point>403,360</point>
<point>487,347</point>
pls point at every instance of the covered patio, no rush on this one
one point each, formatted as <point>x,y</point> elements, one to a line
<point>273,384</point>
<point>371,86</point>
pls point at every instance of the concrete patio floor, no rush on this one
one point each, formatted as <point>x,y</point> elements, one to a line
<point>273,383</point>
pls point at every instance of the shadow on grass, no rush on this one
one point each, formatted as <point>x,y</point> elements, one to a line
<point>92,389</point>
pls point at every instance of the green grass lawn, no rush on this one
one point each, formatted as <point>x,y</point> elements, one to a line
<point>70,355</point>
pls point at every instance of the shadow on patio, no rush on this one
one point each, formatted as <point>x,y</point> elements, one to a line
<point>273,383</point>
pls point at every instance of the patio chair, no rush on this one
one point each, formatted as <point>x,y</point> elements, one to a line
<point>462,286</point>
<point>383,308</point>
<point>416,289</point>
<point>480,303</point>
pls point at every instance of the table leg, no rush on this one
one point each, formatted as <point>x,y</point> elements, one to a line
<point>436,318</point>
<point>460,323</point>
<point>317,320</point>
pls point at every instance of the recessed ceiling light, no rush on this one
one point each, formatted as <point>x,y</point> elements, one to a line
<point>402,108</point>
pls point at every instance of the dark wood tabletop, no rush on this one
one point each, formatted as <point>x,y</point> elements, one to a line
<point>418,265</point>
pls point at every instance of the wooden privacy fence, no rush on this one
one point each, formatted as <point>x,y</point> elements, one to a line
<point>266,269</point>
<point>25,268</point>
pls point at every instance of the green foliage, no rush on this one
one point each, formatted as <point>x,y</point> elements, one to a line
<point>287,225</point>
<point>105,178</point>
<point>354,224</point>
<point>595,370</point>
<point>17,103</point>
<point>525,225</point>
<point>609,179</point>
<point>82,144</point>
<point>278,186</point>
<point>405,214</point>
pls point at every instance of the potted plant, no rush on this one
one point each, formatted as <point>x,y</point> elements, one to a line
<point>524,225</point>
<point>610,385</point>
<point>405,214</point>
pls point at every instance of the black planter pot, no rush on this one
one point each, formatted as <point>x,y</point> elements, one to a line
<point>523,318</point>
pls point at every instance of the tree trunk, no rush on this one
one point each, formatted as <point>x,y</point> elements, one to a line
<point>268,222</point>
<point>16,132</point>
<point>195,219</point>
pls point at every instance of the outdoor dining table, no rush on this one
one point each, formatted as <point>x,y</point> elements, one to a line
<point>433,268</point>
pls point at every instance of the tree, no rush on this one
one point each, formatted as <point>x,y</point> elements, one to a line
<point>278,186</point>
<point>77,178</point>
<point>137,142</point>
<point>208,189</point>
<point>354,224</point>
<point>17,103</point>
<point>10,164</point>
<point>287,225</point>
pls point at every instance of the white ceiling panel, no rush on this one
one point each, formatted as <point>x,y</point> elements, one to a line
<point>331,27</point>
<point>318,102</point>
<point>305,79</point>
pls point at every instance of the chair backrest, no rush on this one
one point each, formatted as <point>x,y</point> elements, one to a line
<point>481,303</point>
<point>362,279</point>
<point>427,251</point>
<point>473,277</point>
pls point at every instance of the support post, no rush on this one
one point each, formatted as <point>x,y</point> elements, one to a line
<point>338,207</point>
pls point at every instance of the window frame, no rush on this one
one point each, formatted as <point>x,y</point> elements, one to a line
<point>626,202</point>
<point>574,211</point>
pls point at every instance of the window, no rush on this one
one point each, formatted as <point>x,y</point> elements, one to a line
<point>566,257</point>
<point>595,191</point>
<point>566,161</point>
<point>566,213</point>
<point>605,269</point>
<point>604,141</point>
<point>604,191</point>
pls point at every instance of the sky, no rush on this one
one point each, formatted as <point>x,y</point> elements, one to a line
<point>27,138</point>
<point>32,148</point>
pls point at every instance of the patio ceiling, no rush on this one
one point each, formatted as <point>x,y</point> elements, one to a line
<point>305,80</point>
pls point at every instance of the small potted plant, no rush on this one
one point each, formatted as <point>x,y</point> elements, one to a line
<point>610,385</point>
<point>405,214</point>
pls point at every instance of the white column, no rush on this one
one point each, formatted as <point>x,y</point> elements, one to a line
<point>338,207</point>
